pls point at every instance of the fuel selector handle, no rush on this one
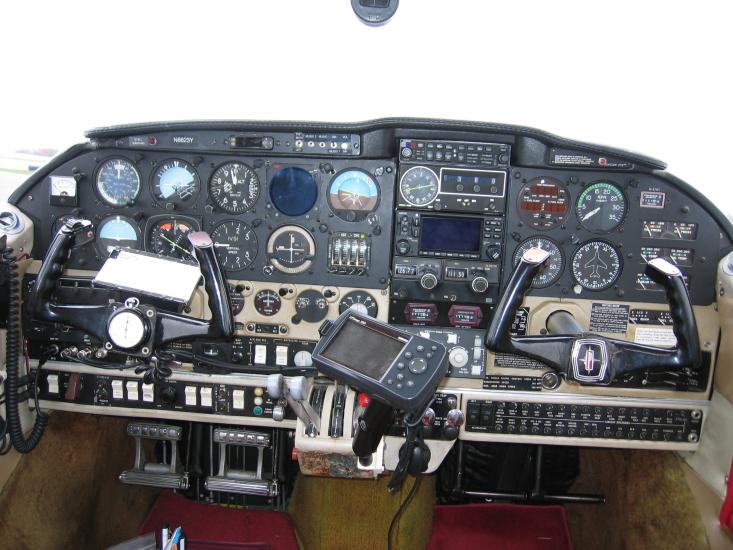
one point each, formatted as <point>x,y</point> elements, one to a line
<point>588,358</point>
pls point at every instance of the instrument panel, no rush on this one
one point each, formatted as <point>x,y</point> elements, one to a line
<point>420,227</point>
<point>297,220</point>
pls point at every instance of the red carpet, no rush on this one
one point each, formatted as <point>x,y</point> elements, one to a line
<point>500,527</point>
<point>214,527</point>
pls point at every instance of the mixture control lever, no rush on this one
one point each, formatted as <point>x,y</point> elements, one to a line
<point>294,392</point>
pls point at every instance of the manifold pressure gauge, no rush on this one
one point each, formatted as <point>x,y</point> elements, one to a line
<point>127,329</point>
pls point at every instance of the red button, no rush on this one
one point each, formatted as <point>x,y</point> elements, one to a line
<point>364,400</point>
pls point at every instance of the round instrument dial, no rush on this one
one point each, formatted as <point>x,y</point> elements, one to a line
<point>291,249</point>
<point>169,237</point>
<point>176,182</point>
<point>360,302</point>
<point>234,187</point>
<point>236,300</point>
<point>543,203</point>
<point>127,329</point>
<point>554,267</point>
<point>236,245</point>
<point>353,194</point>
<point>419,186</point>
<point>311,306</point>
<point>601,207</point>
<point>117,232</point>
<point>293,190</point>
<point>267,302</point>
<point>118,182</point>
<point>596,265</point>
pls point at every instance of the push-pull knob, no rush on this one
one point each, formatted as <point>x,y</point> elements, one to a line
<point>453,421</point>
<point>278,413</point>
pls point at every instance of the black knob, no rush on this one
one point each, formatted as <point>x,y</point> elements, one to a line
<point>167,395</point>
<point>403,247</point>
<point>550,381</point>
<point>493,253</point>
<point>237,357</point>
<point>428,281</point>
<point>450,432</point>
<point>480,284</point>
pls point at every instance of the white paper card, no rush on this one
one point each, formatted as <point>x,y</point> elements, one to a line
<point>151,275</point>
<point>655,336</point>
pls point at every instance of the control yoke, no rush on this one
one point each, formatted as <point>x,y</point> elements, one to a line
<point>157,327</point>
<point>588,358</point>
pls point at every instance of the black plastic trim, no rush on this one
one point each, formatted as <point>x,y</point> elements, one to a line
<point>376,124</point>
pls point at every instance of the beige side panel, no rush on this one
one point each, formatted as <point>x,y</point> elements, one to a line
<point>724,371</point>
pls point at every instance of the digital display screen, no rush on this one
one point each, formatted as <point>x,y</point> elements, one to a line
<point>450,234</point>
<point>479,182</point>
<point>364,349</point>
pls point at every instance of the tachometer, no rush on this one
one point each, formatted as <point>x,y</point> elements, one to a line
<point>116,232</point>
<point>236,245</point>
<point>360,302</point>
<point>234,187</point>
<point>554,268</point>
<point>543,203</point>
<point>353,194</point>
<point>176,182</point>
<point>169,237</point>
<point>601,207</point>
<point>419,186</point>
<point>596,265</point>
<point>118,182</point>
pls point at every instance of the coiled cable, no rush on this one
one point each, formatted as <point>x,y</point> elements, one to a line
<point>12,356</point>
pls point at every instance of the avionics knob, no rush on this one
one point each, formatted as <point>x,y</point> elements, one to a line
<point>403,247</point>
<point>493,253</point>
<point>429,281</point>
<point>480,284</point>
<point>458,357</point>
<point>278,413</point>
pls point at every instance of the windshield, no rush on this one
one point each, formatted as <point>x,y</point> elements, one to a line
<point>532,63</point>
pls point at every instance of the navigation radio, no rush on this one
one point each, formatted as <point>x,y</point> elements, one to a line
<point>449,236</point>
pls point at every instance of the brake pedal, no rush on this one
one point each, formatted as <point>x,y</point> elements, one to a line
<point>155,474</point>
<point>245,482</point>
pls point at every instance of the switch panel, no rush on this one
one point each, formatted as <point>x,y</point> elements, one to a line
<point>103,390</point>
<point>584,421</point>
